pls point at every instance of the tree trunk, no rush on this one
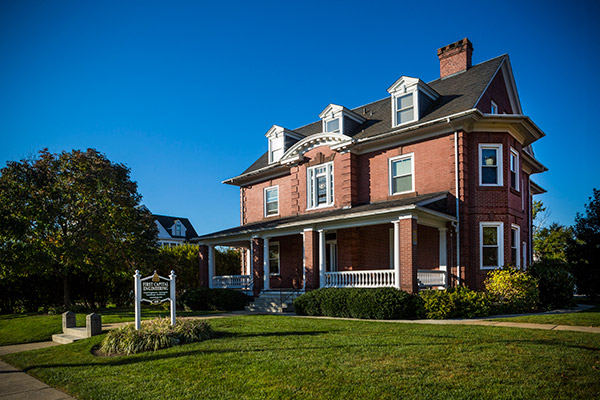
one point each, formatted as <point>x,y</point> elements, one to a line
<point>66,292</point>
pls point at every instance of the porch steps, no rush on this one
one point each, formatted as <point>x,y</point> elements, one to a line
<point>269,302</point>
<point>70,335</point>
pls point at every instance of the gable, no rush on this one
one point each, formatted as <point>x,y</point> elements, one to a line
<point>503,91</point>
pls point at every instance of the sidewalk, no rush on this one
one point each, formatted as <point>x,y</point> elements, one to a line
<point>16,384</point>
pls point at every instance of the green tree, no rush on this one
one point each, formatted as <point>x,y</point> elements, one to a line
<point>72,214</point>
<point>227,261</point>
<point>551,241</point>
<point>583,250</point>
<point>185,261</point>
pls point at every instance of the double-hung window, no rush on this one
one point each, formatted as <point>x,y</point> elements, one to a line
<point>491,245</point>
<point>401,173</point>
<point>514,245</point>
<point>274,258</point>
<point>271,201</point>
<point>319,186</point>
<point>405,108</point>
<point>490,164</point>
<point>514,169</point>
<point>275,149</point>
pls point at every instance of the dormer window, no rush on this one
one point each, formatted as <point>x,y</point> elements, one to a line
<point>280,139</point>
<point>178,229</point>
<point>410,99</point>
<point>332,126</point>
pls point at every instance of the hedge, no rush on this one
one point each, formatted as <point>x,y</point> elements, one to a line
<point>205,299</point>
<point>459,302</point>
<point>378,303</point>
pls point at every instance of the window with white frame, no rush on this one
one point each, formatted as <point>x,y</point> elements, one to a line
<point>405,108</point>
<point>274,258</point>
<point>319,185</point>
<point>271,201</point>
<point>514,245</point>
<point>333,125</point>
<point>514,169</point>
<point>275,149</point>
<point>493,108</point>
<point>490,164</point>
<point>491,245</point>
<point>177,229</point>
<point>401,173</point>
<point>331,252</point>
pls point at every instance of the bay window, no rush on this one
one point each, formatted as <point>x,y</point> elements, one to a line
<point>491,245</point>
<point>490,164</point>
<point>319,186</point>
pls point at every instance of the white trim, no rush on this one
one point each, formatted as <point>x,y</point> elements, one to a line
<point>265,210</point>
<point>391,160</point>
<point>397,254</point>
<point>517,241</point>
<point>517,171</point>
<point>500,243</point>
<point>312,193</point>
<point>493,107</point>
<point>499,157</point>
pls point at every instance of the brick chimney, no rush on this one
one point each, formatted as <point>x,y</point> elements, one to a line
<point>455,57</point>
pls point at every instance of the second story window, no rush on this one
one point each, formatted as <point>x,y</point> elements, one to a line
<point>271,201</point>
<point>402,177</point>
<point>490,164</point>
<point>319,186</point>
<point>405,110</point>
<point>333,126</point>
<point>514,169</point>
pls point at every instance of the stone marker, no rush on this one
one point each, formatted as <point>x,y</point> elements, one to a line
<point>93,324</point>
<point>68,320</point>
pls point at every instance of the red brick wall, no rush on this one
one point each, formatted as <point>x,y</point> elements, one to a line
<point>311,261</point>
<point>257,262</point>
<point>203,267</point>
<point>364,248</point>
<point>428,247</point>
<point>408,255</point>
<point>455,57</point>
<point>496,91</point>
<point>290,262</point>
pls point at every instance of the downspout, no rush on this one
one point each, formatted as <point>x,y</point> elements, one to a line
<point>457,223</point>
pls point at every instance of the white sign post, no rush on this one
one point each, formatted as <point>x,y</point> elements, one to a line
<point>154,289</point>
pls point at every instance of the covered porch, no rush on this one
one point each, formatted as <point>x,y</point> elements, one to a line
<point>404,247</point>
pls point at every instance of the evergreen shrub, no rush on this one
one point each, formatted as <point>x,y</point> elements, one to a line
<point>205,299</point>
<point>512,291</point>
<point>459,302</point>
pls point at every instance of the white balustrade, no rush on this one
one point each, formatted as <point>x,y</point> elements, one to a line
<point>232,282</point>
<point>364,279</point>
<point>431,277</point>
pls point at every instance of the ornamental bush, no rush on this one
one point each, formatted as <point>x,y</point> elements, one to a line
<point>154,335</point>
<point>459,302</point>
<point>512,291</point>
<point>556,284</point>
<point>205,299</point>
<point>378,303</point>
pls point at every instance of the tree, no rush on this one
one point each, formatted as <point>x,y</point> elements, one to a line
<point>228,261</point>
<point>72,214</point>
<point>185,261</point>
<point>583,251</point>
<point>551,241</point>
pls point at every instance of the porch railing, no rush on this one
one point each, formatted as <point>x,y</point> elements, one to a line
<point>365,279</point>
<point>431,277</point>
<point>232,282</point>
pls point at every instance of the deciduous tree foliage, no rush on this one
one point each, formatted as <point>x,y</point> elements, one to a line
<point>72,213</point>
<point>583,251</point>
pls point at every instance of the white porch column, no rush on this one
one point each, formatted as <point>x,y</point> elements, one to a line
<point>266,276</point>
<point>321,258</point>
<point>248,260</point>
<point>211,264</point>
<point>396,254</point>
<point>443,249</point>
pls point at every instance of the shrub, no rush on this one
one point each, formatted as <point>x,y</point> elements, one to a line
<point>154,335</point>
<point>459,302</point>
<point>556,284</point>
<point>512,291</point>
<point>379,303</point>
<point>203,299</point>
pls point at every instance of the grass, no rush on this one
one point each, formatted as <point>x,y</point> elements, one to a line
<point>273,357</point>
<point>28,328</point>
<point>590,317</point>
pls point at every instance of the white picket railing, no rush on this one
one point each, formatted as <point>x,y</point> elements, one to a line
<point>232,282</point>
<point>365,279</point>
<point>431,277</point>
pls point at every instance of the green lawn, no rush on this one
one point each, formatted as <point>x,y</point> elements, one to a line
<point>273,357</point>
<point>590,317</point>
<point>28,328</point>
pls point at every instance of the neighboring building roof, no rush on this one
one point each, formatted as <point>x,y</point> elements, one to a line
<point>167,222</point>
<point>458,93</point>
<point>433,201</point>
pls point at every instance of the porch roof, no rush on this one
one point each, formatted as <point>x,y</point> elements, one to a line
<point>434,204</point>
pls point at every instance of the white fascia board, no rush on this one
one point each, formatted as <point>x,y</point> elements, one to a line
<point>276,170</point>
<point>513,94</point>
<point>335,111</point>
<point>275,130</point>
<point>408,83</point>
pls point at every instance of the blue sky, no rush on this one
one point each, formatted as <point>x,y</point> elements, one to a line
<point>183,92</point>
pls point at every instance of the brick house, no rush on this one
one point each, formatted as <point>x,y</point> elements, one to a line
<point>428,187</point>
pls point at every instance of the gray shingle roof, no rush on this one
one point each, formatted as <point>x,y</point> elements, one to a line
<point>458,93</point>
<point>167,222</point>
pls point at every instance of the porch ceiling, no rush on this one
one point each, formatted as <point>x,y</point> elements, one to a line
<point>425,207</point>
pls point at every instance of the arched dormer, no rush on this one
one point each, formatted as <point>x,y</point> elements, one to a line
<point>336,141</point>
